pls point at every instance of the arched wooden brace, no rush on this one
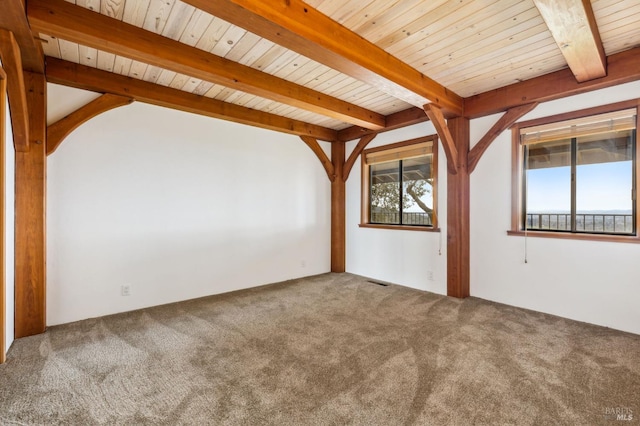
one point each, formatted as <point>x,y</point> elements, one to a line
<point>58,131</point>
<point>362,144</point>
<point>448,143</point>
<point>511,116</point>
<point>324,159</point>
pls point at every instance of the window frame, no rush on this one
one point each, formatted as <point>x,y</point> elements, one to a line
<point>365,186</point>
<point>517,181</point>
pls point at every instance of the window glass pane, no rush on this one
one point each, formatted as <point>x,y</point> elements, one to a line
<point>548,185</point>
<point>417,201</point>
<point>604,181</point>
<point>385,192</point>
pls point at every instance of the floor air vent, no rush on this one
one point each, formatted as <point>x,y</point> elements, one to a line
<point>378,283</point>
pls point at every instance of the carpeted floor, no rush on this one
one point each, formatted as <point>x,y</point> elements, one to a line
<point>327,350</point>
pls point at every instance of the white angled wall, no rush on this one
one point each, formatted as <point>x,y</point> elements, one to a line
<point>9,241</point>
<point>176,206</point>
<point>402,257</point>
<point>594,282</point>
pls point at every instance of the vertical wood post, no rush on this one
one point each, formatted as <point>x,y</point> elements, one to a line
<point>458,225</point>
<point>338,217</point>
<point>30,250</point>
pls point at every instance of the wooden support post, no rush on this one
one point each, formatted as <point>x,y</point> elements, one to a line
<point>30,250</point>
<point>338,205</point>
<point>3,288</point>
<point>458,242</point>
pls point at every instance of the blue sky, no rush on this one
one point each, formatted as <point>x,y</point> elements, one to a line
<point>603,186</point>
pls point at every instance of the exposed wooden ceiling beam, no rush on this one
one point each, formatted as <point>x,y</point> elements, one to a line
<point>14,19</point>
<point>83,77</point>
<point>58,131</point>
<point>12,63</point>
<point>396,120</point>
<point>299,27</point>
<point>74,23</point>
<point>573,26</point>
<point>623,67</point>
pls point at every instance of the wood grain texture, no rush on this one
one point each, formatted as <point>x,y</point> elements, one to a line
<point>338,210</point>
<point>12,63</point>
<point>458,214</point>
<point>30,233</point>
<point>575,31</point>
<point>81,77</point>
<point>301,28</point>
<point>64,20</point>
<point>622,68</point>
<point>511,116</point>
<point>324,159</point>
<point>362,144</point>
<point>58,131</point>
<point>448,142</point>
<point>394,121</point>
<point>3,263</point>
<point>13,18</point>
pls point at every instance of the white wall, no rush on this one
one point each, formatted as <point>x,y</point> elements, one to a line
<point>9,241</point>
<point>178,206</point>
<point>595,282</point>
<point>398,256</point>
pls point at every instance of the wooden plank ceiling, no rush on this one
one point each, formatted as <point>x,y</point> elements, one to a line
<point>465,47</point>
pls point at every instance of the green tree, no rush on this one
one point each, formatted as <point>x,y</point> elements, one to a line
<point>386,197</point>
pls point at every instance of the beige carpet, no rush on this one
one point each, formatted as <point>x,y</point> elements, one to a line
<point>327,350</point>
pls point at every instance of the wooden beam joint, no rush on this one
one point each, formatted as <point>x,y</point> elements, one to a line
<point>12,63</point>
<point>329,167</point>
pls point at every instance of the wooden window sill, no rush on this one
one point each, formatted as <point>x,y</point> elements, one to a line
<point>399,227</point>
<point>584,237</point>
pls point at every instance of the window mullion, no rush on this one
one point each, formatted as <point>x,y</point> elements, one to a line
<point>401,193</point>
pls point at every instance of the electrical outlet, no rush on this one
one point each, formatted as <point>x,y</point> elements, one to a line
<point>430,275</point>
<point>125,290</point>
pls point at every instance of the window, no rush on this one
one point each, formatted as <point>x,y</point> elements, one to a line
<point>399,185</point>
<point>576,173</point>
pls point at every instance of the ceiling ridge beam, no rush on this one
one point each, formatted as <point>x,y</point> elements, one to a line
<point>79,25</point>
<point>301,28</point>
<point>58,131</point>
<point>87,78</point>
<point>16,89</point>
<point>573,26</point>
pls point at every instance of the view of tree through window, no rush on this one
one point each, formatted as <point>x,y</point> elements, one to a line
<point>583,184</point>
<point>401,191</point>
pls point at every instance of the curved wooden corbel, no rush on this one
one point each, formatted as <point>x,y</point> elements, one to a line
<point>322,156</point>
<point>511,116</point>
<point>58,131</point>
<point>362,144</point>
<point>437,118</point>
